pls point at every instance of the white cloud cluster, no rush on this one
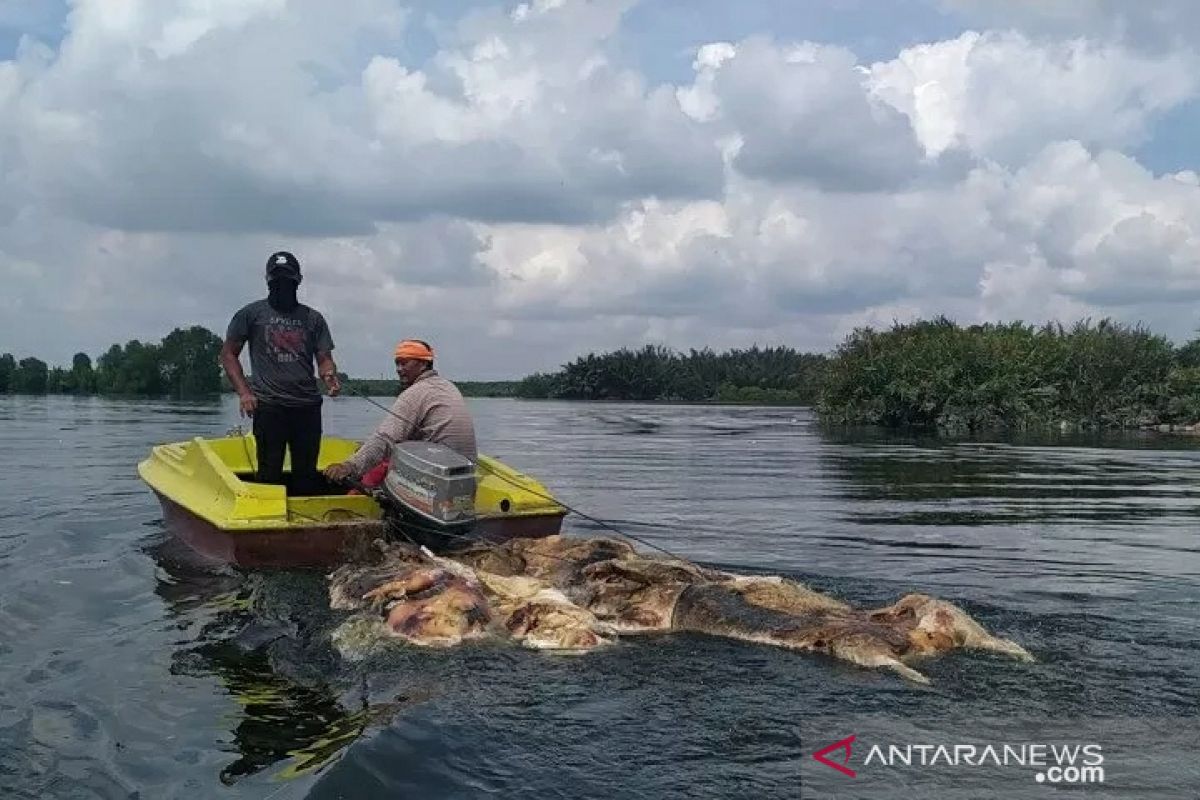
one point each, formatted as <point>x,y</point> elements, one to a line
<point>801,112</point>
<point>1068,234</point>
<point>1002,96</point>
<point>268,116</point>
<point>523,195</point>
<point>1097,232</point>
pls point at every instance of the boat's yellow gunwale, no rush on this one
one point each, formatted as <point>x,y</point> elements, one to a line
<point>200,475</point>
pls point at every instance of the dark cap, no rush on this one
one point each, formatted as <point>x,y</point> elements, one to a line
<point>283,265</point>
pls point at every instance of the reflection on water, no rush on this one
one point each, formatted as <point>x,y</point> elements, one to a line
<point>127,673</point>
<point>978,483</point>
<point>264,637</point>
<point>280,720</point>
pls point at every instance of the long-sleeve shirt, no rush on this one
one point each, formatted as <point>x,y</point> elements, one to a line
<point>430,410</point>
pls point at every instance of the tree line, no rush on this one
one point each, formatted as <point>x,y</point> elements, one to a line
<point>935,373</point>
<point>390,387</point>
<point>186,363</point>
<point>931,373</point>
<point>654,373</point>
<point>183,364</point>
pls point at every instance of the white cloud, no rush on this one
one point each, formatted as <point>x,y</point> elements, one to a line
<point>1068,235</point>
<point>1003,96</point>
<point>802,113</point>
<point>699,100</point>
<point>134,125</point>
<point>1111,233</point>
<point>523,195</point>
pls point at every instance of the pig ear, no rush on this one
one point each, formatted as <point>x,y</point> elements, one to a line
<point>906,672</point>
<point>877,657</point>
<point>998,645</point>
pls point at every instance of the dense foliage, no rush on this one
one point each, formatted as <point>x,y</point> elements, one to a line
<point>390,388</point>
<point>931,373</point>
<point>934,373</point>
<point>184,364</point>
<point>757,375</point>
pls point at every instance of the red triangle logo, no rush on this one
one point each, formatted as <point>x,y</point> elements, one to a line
<point>844,744</point>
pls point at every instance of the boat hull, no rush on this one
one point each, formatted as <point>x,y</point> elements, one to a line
<point>316,545</point>
<point>296,547</point>
<point>210,506</point>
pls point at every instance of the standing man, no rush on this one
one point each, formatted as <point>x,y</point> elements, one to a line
<point>429,409</point>
<point>285,338</point>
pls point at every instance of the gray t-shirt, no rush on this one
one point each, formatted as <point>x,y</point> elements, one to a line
<point>283,348</point>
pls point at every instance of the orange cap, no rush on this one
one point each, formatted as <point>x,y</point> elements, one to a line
<point>410,348</point>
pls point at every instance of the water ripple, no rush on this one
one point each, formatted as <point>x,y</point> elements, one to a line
<point>128,672</point>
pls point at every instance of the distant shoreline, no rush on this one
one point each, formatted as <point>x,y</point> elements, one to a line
<point>932,374</point>
<point>186,364</point>
<point>344,394</point>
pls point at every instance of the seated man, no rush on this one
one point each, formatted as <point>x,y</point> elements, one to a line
<point>430,408</point>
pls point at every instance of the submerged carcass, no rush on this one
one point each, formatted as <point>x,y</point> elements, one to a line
<point>406,596</point>
<point>572,594</point>
<point>411,594</point>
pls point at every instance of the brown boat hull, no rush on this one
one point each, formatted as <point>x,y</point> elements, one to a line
<point>317,545</point>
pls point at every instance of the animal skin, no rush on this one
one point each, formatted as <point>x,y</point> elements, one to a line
<point>574,595</point>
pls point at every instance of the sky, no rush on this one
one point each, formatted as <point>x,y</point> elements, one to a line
<point>523,183</point>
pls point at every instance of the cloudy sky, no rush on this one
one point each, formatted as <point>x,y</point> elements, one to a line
<point>523,183</point>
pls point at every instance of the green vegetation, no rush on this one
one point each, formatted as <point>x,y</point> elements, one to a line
<point>776,375</point>
<point>390,388</point>
<point>27,375</point>
<point>488,388</point>
<point>184,364</point>
<point>927,374</point>
<point>936,374</point>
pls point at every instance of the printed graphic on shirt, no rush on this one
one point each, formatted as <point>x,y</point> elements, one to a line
<point>285,340</point>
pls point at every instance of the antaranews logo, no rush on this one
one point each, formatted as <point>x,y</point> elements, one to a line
<point>1058,764</point>
<point>844,744</point>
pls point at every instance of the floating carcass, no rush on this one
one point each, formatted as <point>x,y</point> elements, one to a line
<point>574,595</point>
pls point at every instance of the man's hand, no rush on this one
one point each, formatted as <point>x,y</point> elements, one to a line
<point>328,372</point>
<point>339,472</point>
<point>248,403</point>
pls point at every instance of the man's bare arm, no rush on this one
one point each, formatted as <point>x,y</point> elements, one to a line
<point>233,368</point>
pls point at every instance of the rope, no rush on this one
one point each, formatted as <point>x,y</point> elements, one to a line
<point>536,493</point>
<point>454,534</point>
<point>245,448</point>
<point>408,525</point>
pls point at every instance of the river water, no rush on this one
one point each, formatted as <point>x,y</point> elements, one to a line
<point>126,673</point>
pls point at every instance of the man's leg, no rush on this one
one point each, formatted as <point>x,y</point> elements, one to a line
<point>304,442</point>
<point>270,436</point>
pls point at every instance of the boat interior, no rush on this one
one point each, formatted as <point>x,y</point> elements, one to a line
<point>500,489</point>
<point>240,455</point>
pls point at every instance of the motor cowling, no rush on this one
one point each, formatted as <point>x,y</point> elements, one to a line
<point>432,485</point>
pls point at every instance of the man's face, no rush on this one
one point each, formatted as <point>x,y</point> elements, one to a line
<point>409,369</point>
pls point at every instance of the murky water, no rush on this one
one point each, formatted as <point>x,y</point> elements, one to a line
<point>125,673</point>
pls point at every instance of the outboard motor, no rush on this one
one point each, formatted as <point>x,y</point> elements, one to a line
<point>428,495</point>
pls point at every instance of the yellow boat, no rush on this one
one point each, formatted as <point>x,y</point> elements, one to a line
<point>209,502</point>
